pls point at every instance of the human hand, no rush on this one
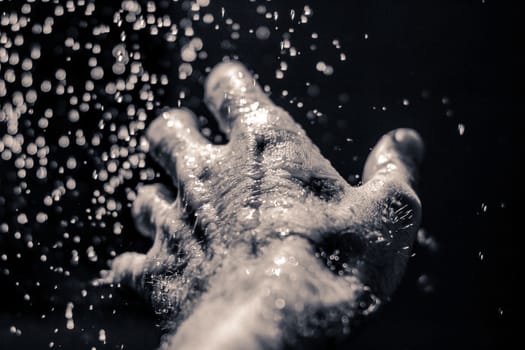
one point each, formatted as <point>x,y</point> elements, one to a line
<point>266,245</point>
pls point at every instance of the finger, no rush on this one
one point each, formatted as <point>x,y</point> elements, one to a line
<point>158,216</point>
<point>176,142</point>
<point>151,208</point>
<point>127,268</point>
<point>395,157</point>
<point>231,92</point>
<point>105,278</point>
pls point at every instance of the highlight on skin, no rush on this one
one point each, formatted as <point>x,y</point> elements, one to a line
<point>266,246</point>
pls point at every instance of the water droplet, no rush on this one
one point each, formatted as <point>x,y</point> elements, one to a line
<point>102,336</point>
<point>262,33</point>
<point>426,284</point>
<point>461,129</point>
<point>280,303</point>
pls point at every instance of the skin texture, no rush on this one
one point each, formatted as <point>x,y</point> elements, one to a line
<point>266,245</point>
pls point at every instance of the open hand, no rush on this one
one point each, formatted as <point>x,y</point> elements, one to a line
<point>266,246</point>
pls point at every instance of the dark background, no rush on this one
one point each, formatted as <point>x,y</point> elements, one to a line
<point>454,61</point>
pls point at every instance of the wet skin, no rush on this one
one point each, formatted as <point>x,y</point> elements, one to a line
<point>266,246</point>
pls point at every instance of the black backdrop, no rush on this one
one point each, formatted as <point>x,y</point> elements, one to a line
<point>452,60</point>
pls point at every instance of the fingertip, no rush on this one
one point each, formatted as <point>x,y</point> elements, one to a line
<point>170,120</point>
<point>222,75</point>
<point>140,205</point>
<point>397,155</point>
<point>156,129</point>
<point>150,201</point>
<point>96,282</point>
<point>183,115</point>
<point>227,90</point>
<point>106,277</point>
<point>409,143</point>
<point>173,135</point>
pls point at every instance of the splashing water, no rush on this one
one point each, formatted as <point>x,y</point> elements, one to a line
<point>79,82</point>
